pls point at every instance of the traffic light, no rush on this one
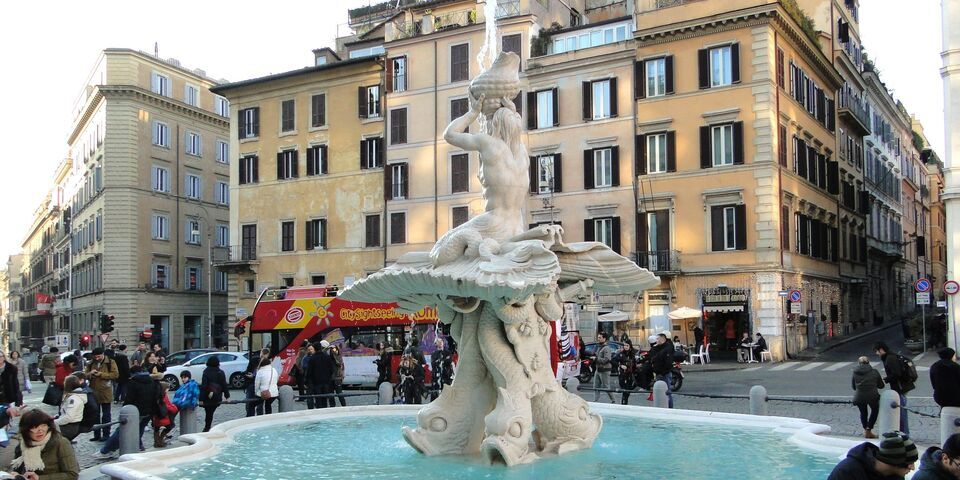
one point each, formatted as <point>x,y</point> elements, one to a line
<point>109,324</point>
<point>84,341</point>
<point>106,323</point>
<point>239,330</point>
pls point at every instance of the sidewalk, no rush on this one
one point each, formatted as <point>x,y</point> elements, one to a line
<point>812,353</point>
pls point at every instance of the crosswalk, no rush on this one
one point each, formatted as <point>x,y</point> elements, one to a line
<point>818,366</point>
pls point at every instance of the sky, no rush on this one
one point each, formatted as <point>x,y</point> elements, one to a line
<point>47,59</point>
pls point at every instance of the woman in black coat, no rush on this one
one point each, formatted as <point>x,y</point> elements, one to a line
<point>213,389</point>
<point>9,386</point>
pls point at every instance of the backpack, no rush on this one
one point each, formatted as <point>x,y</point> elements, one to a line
<point>908,373</point>
<point>91,414</point>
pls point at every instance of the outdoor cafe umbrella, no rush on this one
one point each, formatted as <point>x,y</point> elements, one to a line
<point>683,313</point>
<point>613,316</point>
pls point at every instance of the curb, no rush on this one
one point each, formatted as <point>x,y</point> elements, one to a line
<point>843,341</point>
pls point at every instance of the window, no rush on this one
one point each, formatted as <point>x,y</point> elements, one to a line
<point>160,226</point>
<point>459,173</point>
<point>780,67</point>
<point>543,106</point>
<point>249,166</point>
<point>603,231</point>
<point>248,286</point>
<point>370,102</point>
<point>511,43</point>
<point>782,145</point>
<point>318,279</point>
<point>161,84</point>
<point>459,62</point>
<point>223,151</point>
<point>458,108</point>
<point>720,67</point>
<point>159,275</point>
<point>161,134</point>
<point>223,235</point>
<point>248,242</point>
<point>722,141</point>
<point>398,181</point>
<point>728,227</point>
<point>656,153</point>
<point>459,216</point>
<point>398,74</point>
<point>318,110</point>
<point>398,228</point>
<point>221,106</point>
<point>371,153</point>
<point>286,281</point>
<point>367,52</point>
<point>221,280</point>
<point>193,275</point>
<point>287,116</point>
<point>286,237</point>
<point>223,193</point>
<point>99,227</point>
<point>161,179</point>
<point>317,160</point>
<point>191,232</point>
<point>545,174</point>
<point>191,95</point>
<point>192,143</point>
<point>655,73</point>
<point>191,186</point>
<point>372,230</point>
<point>602,167</point>
<point>287,165</point>
<point>601,100</point>
<point>398,126</point>
<point>317,234</point>
<point>249,122</point>
<point>590,38</point>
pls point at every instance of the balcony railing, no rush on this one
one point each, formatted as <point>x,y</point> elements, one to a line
<point>855,113</point>
<point>241,253</point>
<point>659,261</point>
<point>455,19</point>
<point>408,30</point>
<point>508,8</point>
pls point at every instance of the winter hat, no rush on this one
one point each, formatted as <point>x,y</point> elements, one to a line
<point>952,446</point>
<point>897,449</point>
<point>946,353</point>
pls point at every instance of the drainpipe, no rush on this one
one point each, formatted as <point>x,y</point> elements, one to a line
<point>436,172</point>
<point>176,196</point>
<point>386,110</point>
<point>776,41</point>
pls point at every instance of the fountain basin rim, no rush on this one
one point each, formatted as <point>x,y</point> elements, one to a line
<point>202,446</point>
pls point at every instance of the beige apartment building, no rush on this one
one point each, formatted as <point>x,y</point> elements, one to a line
<point>36,275</point>
<point>307,177</point>
<point>11,303</point>
<point>148,197</point>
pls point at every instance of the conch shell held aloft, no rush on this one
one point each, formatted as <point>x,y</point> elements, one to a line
<point>501,80</point>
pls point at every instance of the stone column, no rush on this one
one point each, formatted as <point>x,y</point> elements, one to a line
<point>951,192</point>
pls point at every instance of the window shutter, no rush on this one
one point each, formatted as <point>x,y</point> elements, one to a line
<point>279,165</point>
<point>784,227</point>
<point>802,227</point>
<point>154,231</point>
<point>309,235</point>
<point>643,244</point>
<point>738,143</point>
<point>295,168</point>
<point>671,151</point>
<point>363,154</point>
<point>668,73</point>
<point>380,150</point>
<point>256,169</point>
<point>388,181</point>
<point>833,178</point>
<point>864,203</point>
<point>588,233</point>
<point>640,146</point>
<point>256,121</point>
<point>921,246</point>
<point>153,176</point>
<point>663,229</point>
<point>531,110</point>
<point>782,145</point>
<point>389,75</point>
<point>801,153</point>
<point>518,103</point>
<point>735,63</point>
<point>613,97</point>
<point>362,101</point>
<point>311,157</point>
<point>616,234</point>
<point>831,115</point>
<point>716,229</point>
<point>323,159</point>
<point>243,171</point>
<point>615,166</point>
<point>588,169</point>
<point>741,226</point>
<point>703,62</point>
<point>705,154</point>
<point>241,125</point>
<point>534,175</point>
<point>821,107</point>
<point>405,181</point>
<point>557,172</point>
<point>640,80</point>
<point>812,164</point>
<point>587,101</point>
<point>556,107</point>
<point>834,244</point>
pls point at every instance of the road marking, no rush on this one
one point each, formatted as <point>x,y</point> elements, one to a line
<point>752,369</point>
<point>923,369</point>
<point>809,366</point>
<point>782,366</point>
<point>836,366</point>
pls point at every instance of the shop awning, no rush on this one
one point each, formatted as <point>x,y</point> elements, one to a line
<point>723,308</point>
<point>614,316</point>
<point>684,312</point>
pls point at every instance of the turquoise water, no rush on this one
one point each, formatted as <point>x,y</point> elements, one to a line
<point>628,447</point>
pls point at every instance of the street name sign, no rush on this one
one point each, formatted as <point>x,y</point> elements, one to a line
<point>941,304</point>
<point>922,285</point>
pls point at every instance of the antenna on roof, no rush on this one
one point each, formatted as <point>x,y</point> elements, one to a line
<point>156,50</point>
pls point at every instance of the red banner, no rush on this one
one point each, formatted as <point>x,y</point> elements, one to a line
<point>44,303</point>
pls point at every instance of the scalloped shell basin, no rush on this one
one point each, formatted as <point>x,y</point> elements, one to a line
<point>636,442</point>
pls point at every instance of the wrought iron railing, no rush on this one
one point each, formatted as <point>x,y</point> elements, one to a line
<point>455,19</point>
<point>408,30</point>
<point>241,253</point>
<point>855,109</point>
<point>659,260</point>
<point>508,8</point>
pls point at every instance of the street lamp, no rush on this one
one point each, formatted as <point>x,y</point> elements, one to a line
<point>196,234</point>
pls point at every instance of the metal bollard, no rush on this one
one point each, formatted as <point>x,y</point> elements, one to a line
<point>386,393</point>
<point>573,385</point>
<point>949,422</point>
<point>129,429</point>
<point>889,419</point>
<point>188,421</point>
<point>758,400</point>
<point>660,394</point>
<point>286,399</point>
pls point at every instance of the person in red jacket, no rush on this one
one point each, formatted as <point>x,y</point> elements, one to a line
<point>65,369</point>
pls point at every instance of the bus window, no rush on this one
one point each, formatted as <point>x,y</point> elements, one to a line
<point>261,340</point>
<point>285,337</point>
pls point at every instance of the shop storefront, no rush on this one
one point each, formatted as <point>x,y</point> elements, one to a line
<point>726,315</point>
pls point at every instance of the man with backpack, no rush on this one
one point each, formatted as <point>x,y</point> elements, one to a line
<point>901,376</point>
<point>99,372</point>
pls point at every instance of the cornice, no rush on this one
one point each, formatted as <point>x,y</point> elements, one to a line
<point>146,96</point>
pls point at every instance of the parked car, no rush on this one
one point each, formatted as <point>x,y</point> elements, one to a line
<point>87,355</point>
<point>181,357</point>
<point>233,365</point>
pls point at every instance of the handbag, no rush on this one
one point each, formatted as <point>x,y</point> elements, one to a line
<point>265,394</point>
<point>54,395</point>
<point>27,385</point>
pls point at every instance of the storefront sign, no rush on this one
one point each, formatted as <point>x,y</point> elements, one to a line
<point>729,297</point>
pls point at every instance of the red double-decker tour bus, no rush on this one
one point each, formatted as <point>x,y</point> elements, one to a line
<point>284,317</point>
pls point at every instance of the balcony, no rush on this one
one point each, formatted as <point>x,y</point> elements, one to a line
<point>854,114</point>
<point>666,262</point>
<point>454,20</point>
<point>239,259</point>
<point>410,29</point>
<point>508,8</point>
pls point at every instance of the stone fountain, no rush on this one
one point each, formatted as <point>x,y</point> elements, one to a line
<point>498,285</point>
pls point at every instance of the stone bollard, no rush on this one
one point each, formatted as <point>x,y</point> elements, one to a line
<point>573,385</point>
<point>286,399</point>
<point>188,421</point>
<point>758,400</point>
<point>386,393</point>
<point>129,429</point>
<point>949,422</point>
<point>889,419</point>
<point>660,394</point>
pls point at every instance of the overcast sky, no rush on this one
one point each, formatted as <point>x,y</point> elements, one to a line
<point>48,55</point>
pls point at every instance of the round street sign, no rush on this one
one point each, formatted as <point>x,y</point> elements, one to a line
<point>795,295</point>
<point>951,287</point>
<point>922,285</point>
